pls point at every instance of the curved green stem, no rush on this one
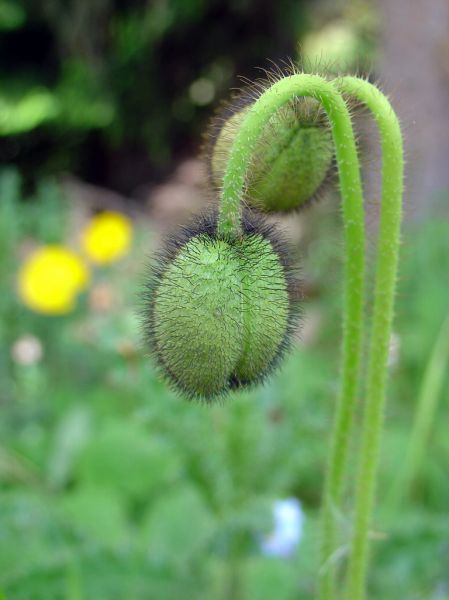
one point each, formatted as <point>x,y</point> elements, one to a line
<point>385,283</point>
<point>352,200</point>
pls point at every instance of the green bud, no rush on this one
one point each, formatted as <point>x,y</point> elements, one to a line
<point>292,160</point>
<point>221,309</point>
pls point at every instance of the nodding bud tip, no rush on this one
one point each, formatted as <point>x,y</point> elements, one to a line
<point>220,311</point>
<point>293,158</point>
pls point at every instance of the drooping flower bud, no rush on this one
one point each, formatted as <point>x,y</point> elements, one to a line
<point>292,159</point>
<point>221,310</point>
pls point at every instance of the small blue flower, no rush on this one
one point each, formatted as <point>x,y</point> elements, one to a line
<point>288,528</point>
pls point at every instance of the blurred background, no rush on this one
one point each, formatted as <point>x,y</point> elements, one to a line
<point>111,486</point>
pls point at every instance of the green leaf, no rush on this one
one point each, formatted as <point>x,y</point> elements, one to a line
<point>71,435</point>
<point>35,107</point>
<point>178,527</point>
<point>96,513</point>
<point>122,456</point>
<point>12,16</point>
<point>265,579</point>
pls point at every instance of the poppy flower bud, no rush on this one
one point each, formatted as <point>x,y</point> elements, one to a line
<point>221,309</point>
<point>292,160</point>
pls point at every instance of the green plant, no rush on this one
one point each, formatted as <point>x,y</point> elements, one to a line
<point>424,415</point>
<point>293,157</point>
<point>99,459</point>
<point>229,227</point>
<point>221,300</point>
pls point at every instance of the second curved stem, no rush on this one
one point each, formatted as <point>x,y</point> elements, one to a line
<point>385,283</point>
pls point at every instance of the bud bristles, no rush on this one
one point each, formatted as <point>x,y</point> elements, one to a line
<point>219,311</point>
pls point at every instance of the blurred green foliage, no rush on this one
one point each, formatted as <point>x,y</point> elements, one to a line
<point>116,90</point>
<point>111,487</point>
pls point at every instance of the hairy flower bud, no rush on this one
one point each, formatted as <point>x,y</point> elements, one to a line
<point>221,310</point>
<point>292,159</point>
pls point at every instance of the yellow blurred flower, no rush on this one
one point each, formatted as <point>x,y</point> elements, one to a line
<point>50,280</point>
<point>107,237</point>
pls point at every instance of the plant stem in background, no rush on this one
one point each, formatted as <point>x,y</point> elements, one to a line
<point>385,283</point>
<point>426,408</point>
<point>353,218</point>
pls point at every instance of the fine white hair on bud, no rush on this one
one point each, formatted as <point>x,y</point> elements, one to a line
<point>219,311</point>
<point>293,160</point>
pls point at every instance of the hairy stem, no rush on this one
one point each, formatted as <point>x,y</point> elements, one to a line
<point>385,283</point>
<point>352,200</point>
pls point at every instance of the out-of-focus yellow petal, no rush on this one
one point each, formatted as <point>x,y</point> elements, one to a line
<point>107,237</point>
<point>51,278</point>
